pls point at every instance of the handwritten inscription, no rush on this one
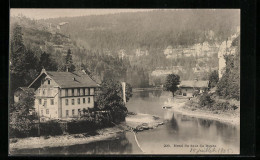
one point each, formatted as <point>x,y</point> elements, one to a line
<point>201,148</point>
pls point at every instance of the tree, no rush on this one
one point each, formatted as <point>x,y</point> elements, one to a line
<point>23,62</point>
<point>16,58</point>
<point>229,84</point>
<point>172,82</point>
<point>69,63</point>
<point>213,79</point>
<point>111,99</point>
<point>20,118</point>
<point>48,63</point>
<point>17,49</point>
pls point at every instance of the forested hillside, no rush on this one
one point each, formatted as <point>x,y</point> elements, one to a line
<point>124,46</point>
<point>153,29</point>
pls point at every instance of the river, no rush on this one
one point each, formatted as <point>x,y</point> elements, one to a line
<point>179,135</point>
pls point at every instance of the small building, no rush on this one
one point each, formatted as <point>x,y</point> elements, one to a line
<point>122,54</point>
<point>19,92</point>
<point>63,94</point>
<point>141,52</point>
<point>188,88</point>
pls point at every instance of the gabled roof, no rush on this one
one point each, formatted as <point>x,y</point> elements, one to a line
<point>195,83</point>
<point>69,79</point>
<point>24,89</point>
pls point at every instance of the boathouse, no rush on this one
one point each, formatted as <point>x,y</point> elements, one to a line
<point>189,88</point>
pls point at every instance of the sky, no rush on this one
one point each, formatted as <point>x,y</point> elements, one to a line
<point>54,13</point>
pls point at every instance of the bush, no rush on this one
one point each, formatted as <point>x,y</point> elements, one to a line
<point>213,79</point>
<point>195,93</point>
<point>205,100</point>
<point>221,106</point>
<point>51,128</point>
<point>81,126</point>
<point>224,106</point>
<point>178,92</point>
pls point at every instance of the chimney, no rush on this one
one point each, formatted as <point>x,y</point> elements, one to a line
<point>43,70</point>
<point>124,96</point>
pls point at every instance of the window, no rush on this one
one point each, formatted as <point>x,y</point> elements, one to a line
<point>39,90</point>
<point>84,101</point>
<point>67,113</point>
<point>66,102</point>
<point>88,91</point>
<point>52,101</point>
<point>40,101</point>
<point>78,92</point>
<point>72,92</point>
<point>73,112</point>
<point>43,91</point>
<point>72,101</point>
<point>47,111</point>
<point>49,81</point>
<point>41,112</point>
<point>79,112</point>
<point>78,100</point>
<point>45,103</point>
<point>84,91</point>
<point>88,100</point>
<point>66,92</point>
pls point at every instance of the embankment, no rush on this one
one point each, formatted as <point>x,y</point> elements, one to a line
<point>136,122</point>
<point>231,117</point>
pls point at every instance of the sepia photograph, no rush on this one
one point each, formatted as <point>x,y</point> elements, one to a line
<point>124,82</point>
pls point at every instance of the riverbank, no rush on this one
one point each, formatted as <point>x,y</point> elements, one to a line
<point>134,122</point>
<point>230,117</point>
<point>146,89</point>
<point>64,140</point>
<point>140,122</point>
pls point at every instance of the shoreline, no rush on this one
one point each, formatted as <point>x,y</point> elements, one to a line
<point>224,117</point>
<point>147,89</point>
<point>63,140</point>
<point>137,122</point>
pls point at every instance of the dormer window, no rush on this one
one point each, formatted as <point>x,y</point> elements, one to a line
<point>49,81</point>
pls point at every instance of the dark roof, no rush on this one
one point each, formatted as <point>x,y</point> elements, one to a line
<point>72,79</point>
<point>24,88</point>
<point>199,84</point>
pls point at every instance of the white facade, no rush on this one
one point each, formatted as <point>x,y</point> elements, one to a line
<point>73,106</point>
<point>54,102</point>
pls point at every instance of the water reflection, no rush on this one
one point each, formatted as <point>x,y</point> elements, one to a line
<point>157,93</point>
<point>180,129</point>
<point>226,132</point>
<point>114,146</point>
<point>144,94</point>
<point>174,123</point>
<point>147,94</point>
<point>205,122</point>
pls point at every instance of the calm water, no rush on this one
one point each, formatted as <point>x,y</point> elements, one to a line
<point>176,136</point>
